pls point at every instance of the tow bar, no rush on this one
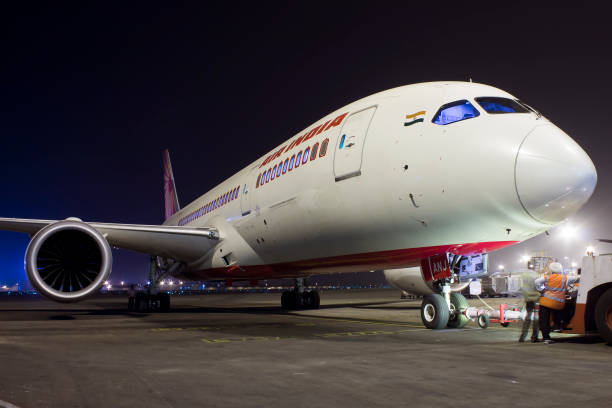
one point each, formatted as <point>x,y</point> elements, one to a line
<point>503,316</point>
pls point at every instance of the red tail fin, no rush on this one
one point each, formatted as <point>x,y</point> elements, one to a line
<point>170,197</point>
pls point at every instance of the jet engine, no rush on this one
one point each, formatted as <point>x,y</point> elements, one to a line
<point>68,260</point>
<point>409,279</point>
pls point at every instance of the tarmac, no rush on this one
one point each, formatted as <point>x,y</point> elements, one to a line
<point>362,348</point>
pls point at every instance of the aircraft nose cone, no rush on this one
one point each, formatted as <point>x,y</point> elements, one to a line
<point>554,176</point>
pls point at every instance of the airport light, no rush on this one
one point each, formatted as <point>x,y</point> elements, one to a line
<point>574,265</point>
<point>122,283</point>
<point>162,283</point>
<point>590,251</point>
<point>180,282</point>
<point>171,283</point>
<point>500,267</point>
<point>106,283</point>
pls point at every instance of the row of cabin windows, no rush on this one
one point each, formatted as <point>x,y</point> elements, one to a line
<point>303,157</point>
<point>213,205</point>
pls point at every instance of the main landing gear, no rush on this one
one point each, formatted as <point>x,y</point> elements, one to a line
<point>444,310</point>
<point>152,300</point>
<point>300,298</point>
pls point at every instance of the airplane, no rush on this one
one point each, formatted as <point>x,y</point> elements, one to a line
<point>401,181</point>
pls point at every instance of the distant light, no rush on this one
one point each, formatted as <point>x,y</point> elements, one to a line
<point>171,283</point>
<point>500,267</point>
<point>162,283</point>
<point>525,258</point>
<point>566,258</point>
<point>106,282</point>
<point>122,283</point>
<point>590,251</point>
<point>180,282</point>
<point>568,231</point>
<point>574,264</point>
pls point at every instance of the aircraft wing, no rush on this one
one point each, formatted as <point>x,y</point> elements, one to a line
<point>180,243</point>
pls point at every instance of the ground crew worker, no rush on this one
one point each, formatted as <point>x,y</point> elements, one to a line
<point>554,289</point>
<point>531,296</point>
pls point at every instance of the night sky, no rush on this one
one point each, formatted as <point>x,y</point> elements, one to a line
<point>91,96</point>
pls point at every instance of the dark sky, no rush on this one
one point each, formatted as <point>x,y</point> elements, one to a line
<point>91,96</point>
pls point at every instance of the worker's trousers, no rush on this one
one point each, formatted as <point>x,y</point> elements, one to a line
<point>545,321</point>
<point>530,318</point>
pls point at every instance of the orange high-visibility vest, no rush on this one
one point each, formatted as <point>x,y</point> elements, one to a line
<point>555,287</point>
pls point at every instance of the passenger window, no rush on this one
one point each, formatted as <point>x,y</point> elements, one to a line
<point>258,178</point>
<point>297,159</point>
<point>500,105</point>
<point>313,155</point>
<point>291,162</point>
<point>306,153</point>
<point>323,151</point>
<point>279,169</point>
<point>342,142</point>
<point>285,166</point>
<point>268,175</point>
<point>455,112</point>
<point>273,173</point>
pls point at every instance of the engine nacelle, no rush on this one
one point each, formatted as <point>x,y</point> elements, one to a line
<point>409,279</point>
<point>68,261</point>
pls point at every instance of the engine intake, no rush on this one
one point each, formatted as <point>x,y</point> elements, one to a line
<point>68,261</point>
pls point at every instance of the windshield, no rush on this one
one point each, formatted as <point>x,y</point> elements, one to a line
<point>455,112</point>
<point>497,105</point>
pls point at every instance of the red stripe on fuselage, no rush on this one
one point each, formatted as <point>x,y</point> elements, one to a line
<point>399,258</point>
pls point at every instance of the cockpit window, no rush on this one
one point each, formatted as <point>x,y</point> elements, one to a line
<point>496,105</point>
<point>454,112</point>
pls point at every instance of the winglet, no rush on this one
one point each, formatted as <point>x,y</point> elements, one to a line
<point>170,198</point>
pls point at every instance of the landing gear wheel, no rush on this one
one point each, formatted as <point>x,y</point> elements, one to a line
<point>141,303</point>
<point>483,321</point>
<point>285,299</point>
<point>292,300</point>
<point>164,302</point>
<point>434,312</point>
<point>458,304</point>
<point>315,299</point>
<point>603,315</point>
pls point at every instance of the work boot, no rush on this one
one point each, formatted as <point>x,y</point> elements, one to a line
<point>549,341</point>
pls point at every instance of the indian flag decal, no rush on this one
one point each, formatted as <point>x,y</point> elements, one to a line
<point>414,118</point>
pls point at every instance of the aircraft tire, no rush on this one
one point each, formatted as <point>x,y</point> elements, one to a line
<point>164,302</point>
<point>285,299</point>
<point>141,302</point>
<point>315,299</point>
<point>603,315</point>
<point>459,303</point>
<point>434,312</point>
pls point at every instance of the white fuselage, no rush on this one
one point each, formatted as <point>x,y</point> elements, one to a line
<point>393,190</point>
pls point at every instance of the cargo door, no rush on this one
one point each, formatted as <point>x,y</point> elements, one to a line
<point>349,149</point>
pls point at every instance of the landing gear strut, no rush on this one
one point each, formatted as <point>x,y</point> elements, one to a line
<point>300,298</point>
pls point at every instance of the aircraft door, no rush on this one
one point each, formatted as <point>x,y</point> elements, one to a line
<point>349,149</point>
<point>247,192</point>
